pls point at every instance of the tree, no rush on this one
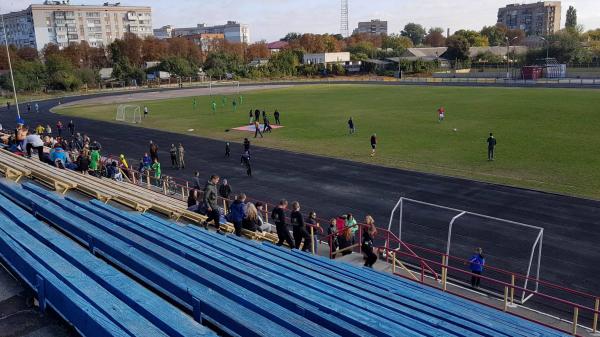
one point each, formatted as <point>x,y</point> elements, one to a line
<point>177,66</point>
<point>257,50</point>
<point>571,22</point>
<point>153,49</point>
<point>475,38</point>
<point>435,39</point>
<point>415,32</point>
<point>495,34</point>
<point>61,74</point>
<point>396,42</point>
<point>458,48</point>
<point>516,36</point>
<point>436,30</point>
<point>291,37</point>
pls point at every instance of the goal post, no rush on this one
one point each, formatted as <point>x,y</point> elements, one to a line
<point>234,87</point>
<point>515,246</point>
<point>129,113</point>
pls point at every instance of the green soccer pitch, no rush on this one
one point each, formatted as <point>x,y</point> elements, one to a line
<point>548,139</point>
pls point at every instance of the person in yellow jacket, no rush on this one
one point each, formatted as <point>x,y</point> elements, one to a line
<point>123,162</point>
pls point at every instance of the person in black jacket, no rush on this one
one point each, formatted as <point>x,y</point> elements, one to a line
<point>278,217</point>
<point>491,146</point>
<point>299,228</point>
<point>276,115</point>
<point>246,145</point>
<point>245,160</point>
<point>225,191</point>
<point>210,201</point>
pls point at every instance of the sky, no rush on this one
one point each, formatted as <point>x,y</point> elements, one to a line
<point>271,19</point>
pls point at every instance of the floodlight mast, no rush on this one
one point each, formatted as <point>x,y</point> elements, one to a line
<point>344,31</point>
<point>12,77</point>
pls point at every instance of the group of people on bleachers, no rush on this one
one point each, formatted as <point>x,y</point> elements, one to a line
<point>73,151</point>
<point>293,230</point>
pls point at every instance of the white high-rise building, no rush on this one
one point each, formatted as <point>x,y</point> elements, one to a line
<point>61,23</point>
<point>232,30</point>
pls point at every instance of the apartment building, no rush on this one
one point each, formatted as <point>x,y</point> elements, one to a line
<point>232,30</point>
<point>374,27</point>
<point>535,19</point>
<point>61,23</point>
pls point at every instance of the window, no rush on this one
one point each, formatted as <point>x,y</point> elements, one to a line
<point>50,30</point>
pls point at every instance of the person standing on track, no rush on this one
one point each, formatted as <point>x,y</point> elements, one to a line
<point>210,202</point>
<point>373,144</point>
<point>227,150</point>
<point>283,232</point>
<point>153,151</point>
<point>173,153</point>
<point>245,160</point>
<point>71,127</point>
<point>246,145</point>
<point>276,115</point>
<point>491,146</point>
<point>180,157</point>
<point>476,263</point>
<point>37,108</point>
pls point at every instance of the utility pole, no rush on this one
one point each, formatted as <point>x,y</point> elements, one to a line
<point>12,77</point>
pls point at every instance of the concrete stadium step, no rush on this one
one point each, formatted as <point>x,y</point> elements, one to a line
<point>162,314</point>
<point>162,271</point>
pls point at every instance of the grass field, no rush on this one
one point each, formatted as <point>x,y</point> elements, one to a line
<point>548,139</point>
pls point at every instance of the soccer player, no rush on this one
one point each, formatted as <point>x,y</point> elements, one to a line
<point>214,106</point>
<point>194,103</point>
<point>251,115</point>
<point>241,99</point>
<point>441,114</point>
<point>234,103</point>
<point>276,115</point>
<point>373,144</point>
<point>491,145</point>
<point>224,101</point>
<point>145,111</point>
<point>351,125</point>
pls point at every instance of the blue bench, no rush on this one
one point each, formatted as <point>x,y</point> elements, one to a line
<point>306,289</point>
<point>240,313</point>
<point>162,314</point>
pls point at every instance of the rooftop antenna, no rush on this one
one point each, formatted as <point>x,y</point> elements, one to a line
<point>12,77</point>
<point>344,19</point>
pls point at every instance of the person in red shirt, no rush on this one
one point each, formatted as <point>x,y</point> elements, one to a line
<point>441,114</point>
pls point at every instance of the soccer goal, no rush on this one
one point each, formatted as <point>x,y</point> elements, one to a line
<point>129,113</point>
<point>507,245</point>
<point>226,87</point>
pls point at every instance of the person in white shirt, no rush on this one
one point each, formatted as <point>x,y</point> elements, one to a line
<point>34,141</point>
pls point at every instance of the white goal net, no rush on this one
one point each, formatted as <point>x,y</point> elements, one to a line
<point>129,113</point>
<point>509,245</point>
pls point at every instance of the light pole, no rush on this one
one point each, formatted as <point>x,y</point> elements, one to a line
<point>508,41</point>
<point>12,77</point>
<point>547,46</point>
